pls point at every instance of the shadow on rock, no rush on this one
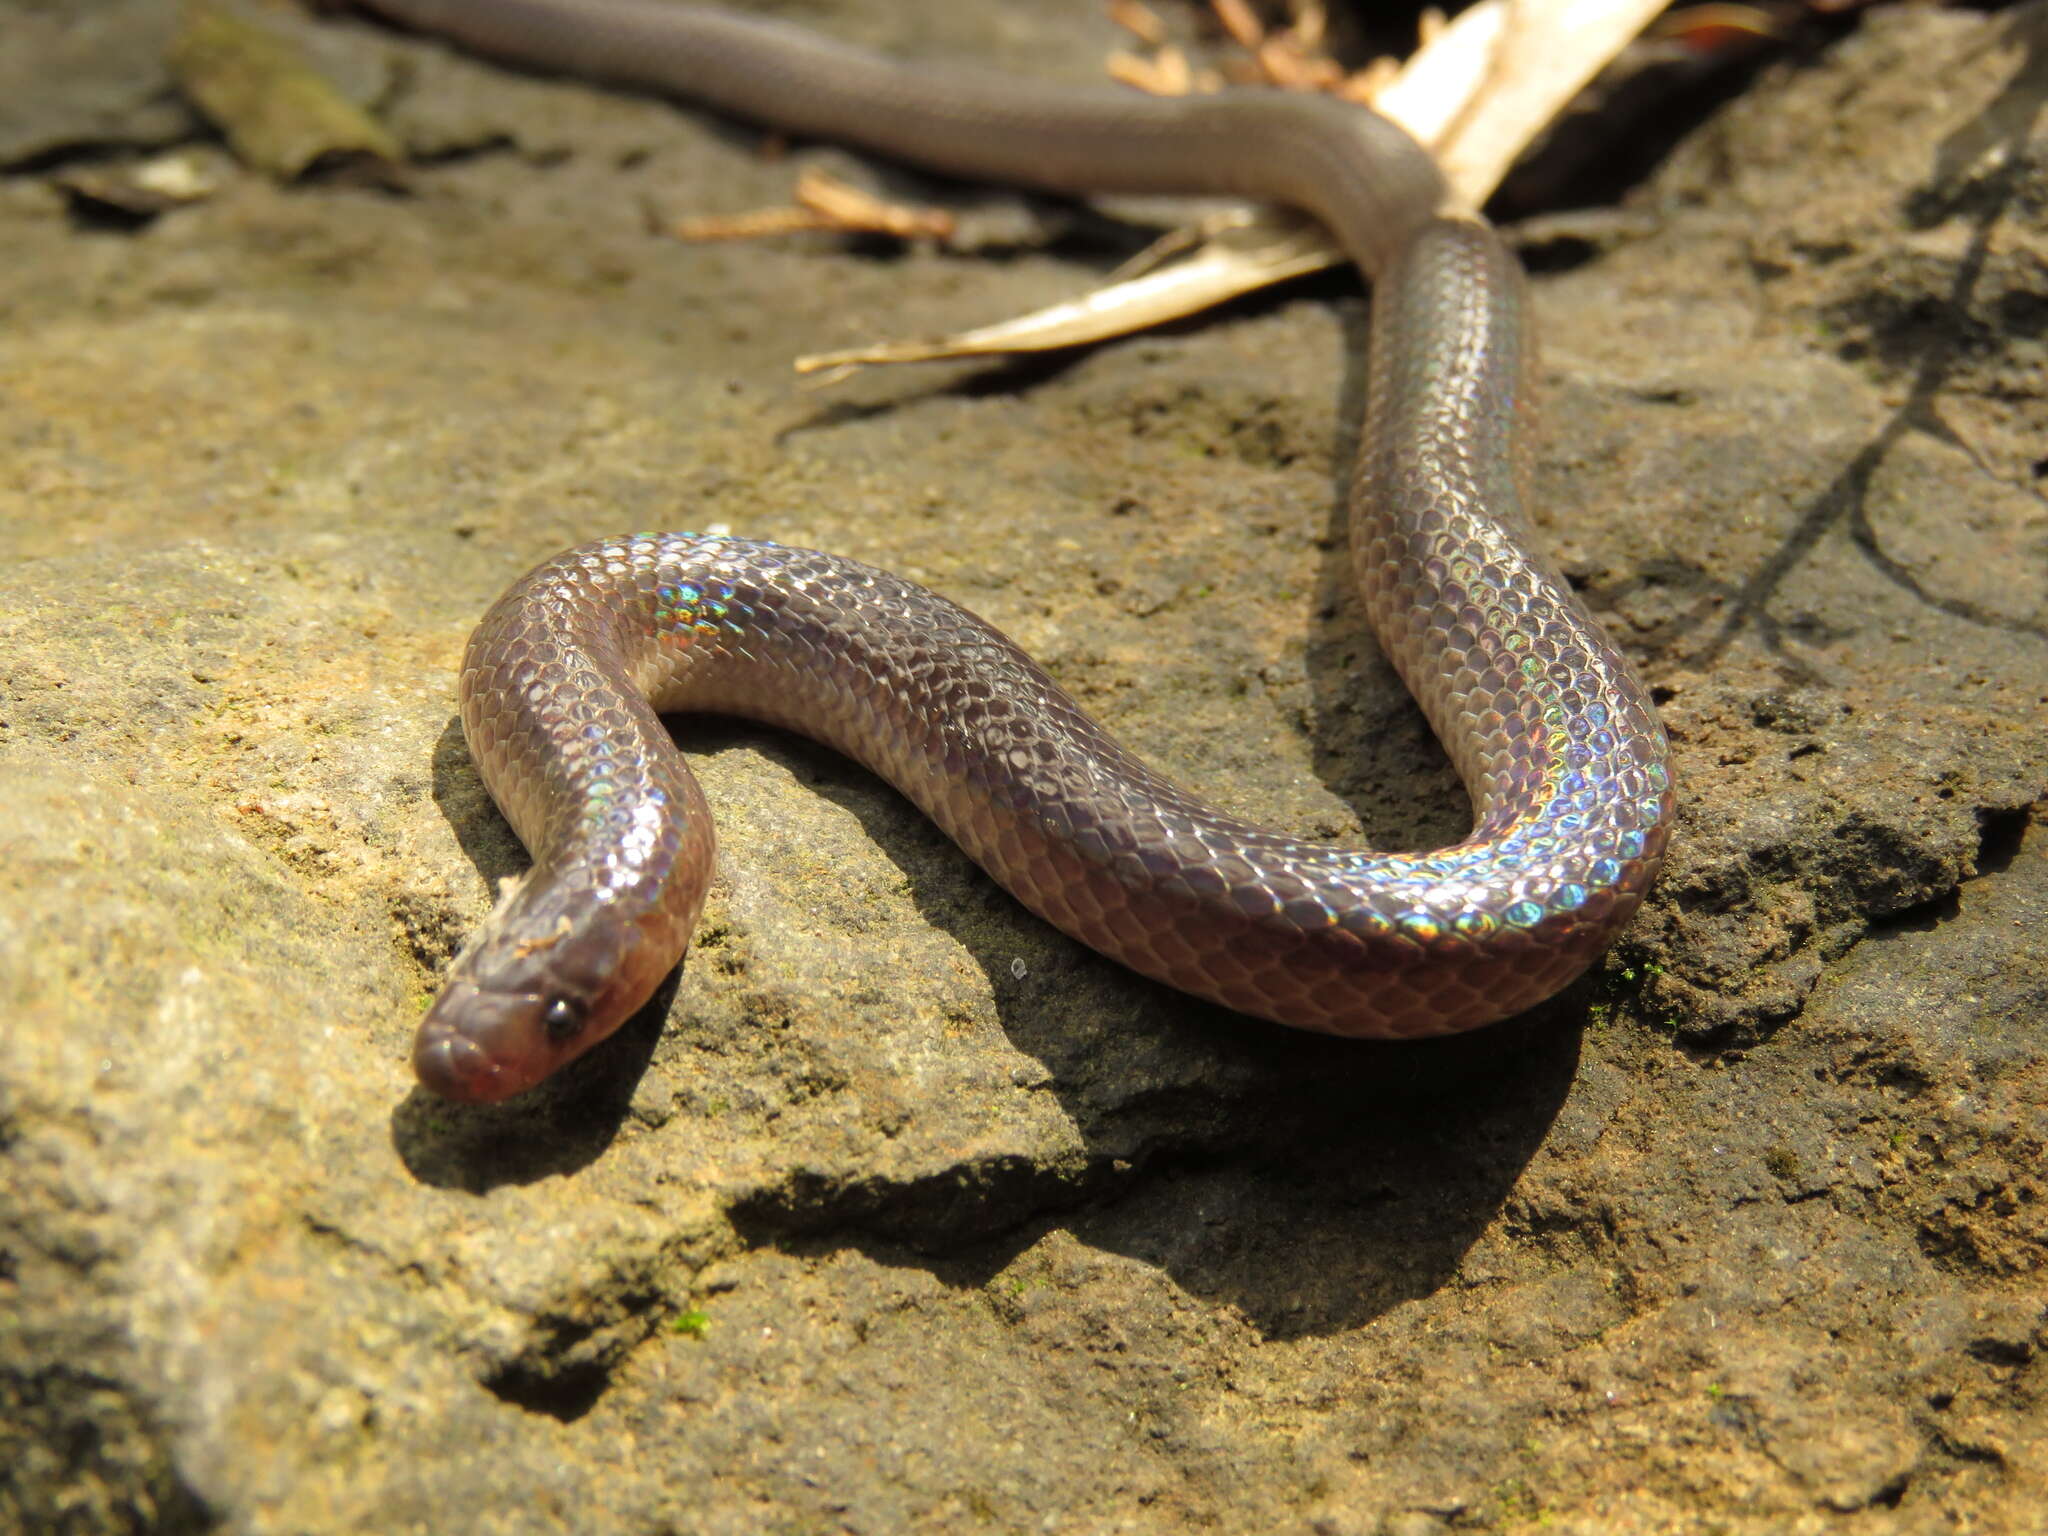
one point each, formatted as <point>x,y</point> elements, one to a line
<point>1310,1182</point>
<point>1344,1179</point>
<point>1373,1169</point>
<point>484,836</point>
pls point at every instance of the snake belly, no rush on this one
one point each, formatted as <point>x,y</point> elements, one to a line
<point>566,679</point>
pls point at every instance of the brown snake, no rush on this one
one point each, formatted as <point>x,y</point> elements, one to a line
<point>566,678</point>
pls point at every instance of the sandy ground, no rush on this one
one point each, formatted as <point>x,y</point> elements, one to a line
<point>900,1212</point>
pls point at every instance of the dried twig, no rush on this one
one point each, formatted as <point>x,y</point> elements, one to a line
<point>823,202</point>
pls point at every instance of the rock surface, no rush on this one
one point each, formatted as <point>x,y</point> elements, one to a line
<point>900,1212</point>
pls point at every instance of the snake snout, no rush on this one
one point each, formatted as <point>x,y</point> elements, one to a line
<point>477,1047</point>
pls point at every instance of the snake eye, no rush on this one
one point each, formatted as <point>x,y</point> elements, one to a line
<point>563,1020</point>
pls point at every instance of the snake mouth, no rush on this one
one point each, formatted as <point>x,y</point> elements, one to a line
<point>478,1047</point>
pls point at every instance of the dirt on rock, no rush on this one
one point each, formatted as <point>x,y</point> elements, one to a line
<point>899,1212</point>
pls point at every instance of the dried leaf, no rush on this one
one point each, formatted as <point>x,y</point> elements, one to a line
<point>1493,80</point>
<point>1261,248</point>
<point>279,113</point>
<point>141,189</point>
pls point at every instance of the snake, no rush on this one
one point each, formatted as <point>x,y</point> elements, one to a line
<point>567,678</point>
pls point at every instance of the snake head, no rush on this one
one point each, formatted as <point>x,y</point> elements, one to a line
<point>532,992</point>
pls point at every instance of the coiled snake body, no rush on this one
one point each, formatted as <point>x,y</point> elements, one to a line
<point>566,678</point>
